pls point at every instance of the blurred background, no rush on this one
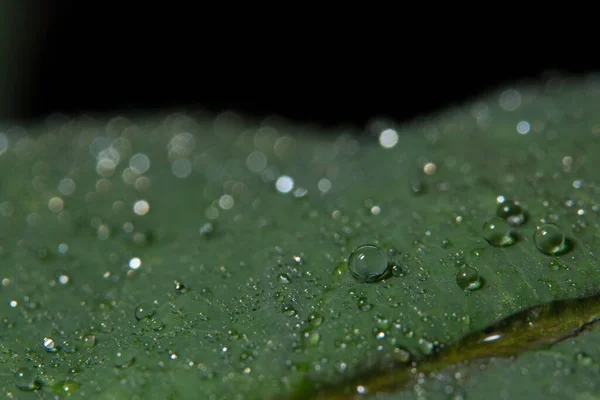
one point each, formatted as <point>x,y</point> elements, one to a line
<point>72,56</point>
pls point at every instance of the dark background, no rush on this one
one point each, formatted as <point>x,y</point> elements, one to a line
<point>100,57</point>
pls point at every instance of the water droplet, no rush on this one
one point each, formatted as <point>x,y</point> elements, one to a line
<point>478,252</point>
<point>89,340</point>
<point>288,310</point>
<point>315,319</point>
<point>144,311</point>
<point>135,263</point>
<point>584,359</point>
<point>69,347</point>
<point>550,239</point>
<point>402,355</point>
<point>50,345</point>
<point>284,278</point>
<point>446,243</point>
<point>363,304</point>
<point>367,263</point>
<point>340,269</point>
<point>398,270</point>
<point>512,212</point>
<point>179,287</point>
<point>206,229</point>
<point>496,232</point>
<point>554,265</point>
<point>312,337</point>
<point>65,387</point>
<point>416,186</point>
<point>26,379</point>
<point>468,279</point>
<point>124,358</point>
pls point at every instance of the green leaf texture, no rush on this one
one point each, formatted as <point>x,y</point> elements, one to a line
<point>192,256</point>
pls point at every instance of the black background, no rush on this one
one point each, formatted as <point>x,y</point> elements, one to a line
<point>102,57</point>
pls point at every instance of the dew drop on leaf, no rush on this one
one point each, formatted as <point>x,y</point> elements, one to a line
<point>69,347</point>
<point>584,359</point>
<point>398,270</point>
<point>549,239</point>
<point>89,340</point>
<point>367,263</point>
<point>289,311</point>
<point>124,358</point>
<point>468,279</point>
<point>446,243</point>
<point>496,232</point>
<point>402,355</point>
<point>50,345</point>
<point>144,311</point>
<point>363,304</point>
<point>283,278</point>
<point>512,212</point>
<point>26,379</point>
<point>65,387</point>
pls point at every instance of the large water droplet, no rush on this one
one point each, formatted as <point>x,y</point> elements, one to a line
<point>468,279</point>
<point>550,239</point>
<point>512,212</point>
<point>26,379</point>
<point>496,232</point>
<point>367,263</point>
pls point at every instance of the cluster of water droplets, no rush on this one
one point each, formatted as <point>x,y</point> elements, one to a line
<point>501,230</point>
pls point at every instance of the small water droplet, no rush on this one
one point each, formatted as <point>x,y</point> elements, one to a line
<point>69,346</point>
<point>496,232</point>
<point>478,252</point>
<point>124,358</point>
<point>468,279</point>
<point>398,270</point>
<point>65,387</point>
<point>340,269</point>
<point>50,345</point>
<point>554,265</point>
<point>144,310</point>
<point>289,311</point>
<point>584,359</point>
<point>512,212</point>
<point>26,380</point>
<point>446,243</point>
<point>367,263</point>
<point>402,355</point>
<point>313,338</point>
<point>179,287</point>
<point>315,319</point>
<point>363,304</point>
<point>206,229</point>
<point>416,186</point>
<point>550,239</point>
<point>89,340</point>
<point>284,278</point>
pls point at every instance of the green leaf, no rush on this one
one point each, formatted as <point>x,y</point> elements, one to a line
<point>189,256</point>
